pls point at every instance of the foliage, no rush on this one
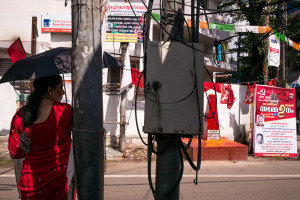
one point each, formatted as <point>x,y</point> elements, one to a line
<point>3,162</point>
<point>252,45</point>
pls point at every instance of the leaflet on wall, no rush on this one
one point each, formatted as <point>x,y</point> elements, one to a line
<point>68,88</point>
<point>275,122</point>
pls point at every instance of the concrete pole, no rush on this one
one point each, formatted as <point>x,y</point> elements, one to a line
<point>123,105</point>
<point>168,162</point>
<point>88,134</point>
<point>266,66</point>
<point>284,49</point>
<point>34,34</point>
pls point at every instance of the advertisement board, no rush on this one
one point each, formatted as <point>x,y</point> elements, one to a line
<point>274,51</point>
<point>124,25</point>
<point>56,23</point>
<point>124,9</point>
<point>275,122</point>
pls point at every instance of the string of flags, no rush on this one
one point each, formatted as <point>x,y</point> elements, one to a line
<point>244,29</point>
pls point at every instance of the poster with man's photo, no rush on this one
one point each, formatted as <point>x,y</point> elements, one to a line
<point>275,132</point>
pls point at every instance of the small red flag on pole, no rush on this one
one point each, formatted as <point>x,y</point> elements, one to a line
<point>16,51</point>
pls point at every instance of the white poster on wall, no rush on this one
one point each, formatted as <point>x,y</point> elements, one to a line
<point>274,51</point>
<point>56,23</point>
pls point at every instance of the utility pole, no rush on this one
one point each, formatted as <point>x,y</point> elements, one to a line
<point>123,104</point>
<point>168,162</point>
<point>34,34</point>
<point>266,65</point>
<point>284,48</point>
<point>88,133</point>
<point>238,56</point>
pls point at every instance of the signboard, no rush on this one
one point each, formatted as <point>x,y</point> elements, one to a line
<point>274,51</point>
<point>124,25</point>
<point>124,9</point>
<point>213,134</point>
<point>56,23</point>
<point>275,122</point>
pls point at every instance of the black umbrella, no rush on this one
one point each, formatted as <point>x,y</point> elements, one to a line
<point>52,62</point>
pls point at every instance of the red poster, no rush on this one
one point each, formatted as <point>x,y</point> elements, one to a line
<point>275,122</point>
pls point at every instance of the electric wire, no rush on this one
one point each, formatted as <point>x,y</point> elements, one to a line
<point>170,34</point>
<point>136,120</point>
<point>174,102</point>
<point>155,193</point>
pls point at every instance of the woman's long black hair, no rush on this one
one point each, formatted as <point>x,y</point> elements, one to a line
<point>40,85</point>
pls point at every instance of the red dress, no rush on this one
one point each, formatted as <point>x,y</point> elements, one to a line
<point>44,169</point>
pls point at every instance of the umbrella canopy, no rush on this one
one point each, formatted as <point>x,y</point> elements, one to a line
<point>110,61</point>
<point>52,62</point>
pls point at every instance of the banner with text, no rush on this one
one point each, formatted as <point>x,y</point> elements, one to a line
<point>275,122</point>
<point>124,25</point>
<point>274,51</point>
<point>56,23</point>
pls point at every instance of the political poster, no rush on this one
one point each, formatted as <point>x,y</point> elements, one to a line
<point>275,122</point>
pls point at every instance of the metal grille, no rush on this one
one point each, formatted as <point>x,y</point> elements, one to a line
<point>5,64</point>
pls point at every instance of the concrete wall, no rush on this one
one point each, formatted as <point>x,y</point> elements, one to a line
<point>7,107</point>
<point>234,122</point>
<point>111,115</point>
<point>16,19</point>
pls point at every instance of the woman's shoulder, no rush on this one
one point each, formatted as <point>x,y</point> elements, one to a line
<point>62,106</point>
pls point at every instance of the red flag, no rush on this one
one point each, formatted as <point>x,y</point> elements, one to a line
<point>272,82</point>
<point>227,96</point>
<point>249,94</point>
<point>16,51</point>
<point>135,76</point>
<point>210,86</point>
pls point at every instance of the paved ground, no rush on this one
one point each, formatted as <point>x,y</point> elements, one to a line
<point>257,178</point>
<point>254,179</point>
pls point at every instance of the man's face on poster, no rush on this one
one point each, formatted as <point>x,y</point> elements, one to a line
<point>260,119</point>
<point>259,139</point>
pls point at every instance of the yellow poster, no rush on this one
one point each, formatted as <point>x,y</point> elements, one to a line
<point>121,37</point>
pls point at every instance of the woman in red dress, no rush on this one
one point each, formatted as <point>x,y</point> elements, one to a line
<point>41,132</point>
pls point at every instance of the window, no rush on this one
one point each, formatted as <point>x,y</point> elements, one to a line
<point>114,76</point>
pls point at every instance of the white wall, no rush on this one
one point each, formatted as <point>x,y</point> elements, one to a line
<point>234,122</point>
<point>16,19</point>
<point>7,107</point>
